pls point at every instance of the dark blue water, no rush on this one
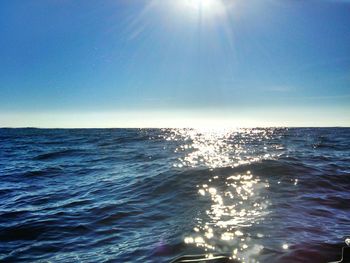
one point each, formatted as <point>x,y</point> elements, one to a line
<point>150,195</point>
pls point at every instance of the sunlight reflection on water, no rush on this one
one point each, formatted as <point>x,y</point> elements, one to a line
<point>236,202</point>
<point>234,207</point>
<point>117,192</point>
<point>216,148</point>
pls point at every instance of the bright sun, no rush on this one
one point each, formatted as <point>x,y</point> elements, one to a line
<point>200,3</point>
<point>206,7</point>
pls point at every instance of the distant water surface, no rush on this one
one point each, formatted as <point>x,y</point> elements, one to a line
<point>151,195</point>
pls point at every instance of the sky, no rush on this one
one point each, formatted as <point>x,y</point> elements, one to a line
<point>174,63</point>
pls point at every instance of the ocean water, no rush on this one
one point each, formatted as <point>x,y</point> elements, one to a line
<point>151,195</point>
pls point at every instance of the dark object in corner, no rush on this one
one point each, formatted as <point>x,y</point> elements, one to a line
<point>345,256</point>
<point>224,259</point>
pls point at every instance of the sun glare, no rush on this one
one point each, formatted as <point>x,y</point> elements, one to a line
<point>212,7</point>
<point>198,4</point>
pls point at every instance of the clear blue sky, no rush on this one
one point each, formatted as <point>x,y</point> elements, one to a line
<point>116,63</point>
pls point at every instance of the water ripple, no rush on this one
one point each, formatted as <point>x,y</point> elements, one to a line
<point>150,195</point>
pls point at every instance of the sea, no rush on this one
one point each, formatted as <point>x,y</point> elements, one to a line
<point>153,195</point>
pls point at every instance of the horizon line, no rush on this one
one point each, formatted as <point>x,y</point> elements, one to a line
<point>180,127</point>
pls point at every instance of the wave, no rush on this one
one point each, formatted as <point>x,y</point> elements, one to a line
<point>58,154</point>
<point>148,195</point>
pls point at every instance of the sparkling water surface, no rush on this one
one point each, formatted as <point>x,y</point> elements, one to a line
<point>151,195</point>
